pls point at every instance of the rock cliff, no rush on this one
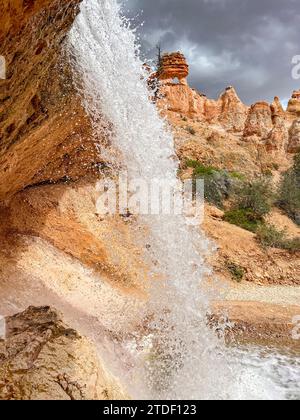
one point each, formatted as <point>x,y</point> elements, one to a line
<point>259,121</point>
<point>44,132</point>
<point>294,137</point>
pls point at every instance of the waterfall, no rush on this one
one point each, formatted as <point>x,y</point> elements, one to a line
<point>185,360</point>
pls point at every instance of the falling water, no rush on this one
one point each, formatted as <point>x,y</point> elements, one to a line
<point>184,359</point>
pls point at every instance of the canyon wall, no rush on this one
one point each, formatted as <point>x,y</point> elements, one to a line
<point>46,138</point>
<point>44,131</point>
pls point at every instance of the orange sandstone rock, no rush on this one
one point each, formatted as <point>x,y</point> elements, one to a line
<point>173,66</point>
<point>277,109</point>
<point>259,121</point>
<point>294,137</point>
<point>234,113</point>
<point>264,124</point>
<point>42,358</point>
<point>45,134</point>
<point>278,138</point>
<point>294,103</point>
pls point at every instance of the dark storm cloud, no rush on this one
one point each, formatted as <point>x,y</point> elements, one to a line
<point>245,43</point>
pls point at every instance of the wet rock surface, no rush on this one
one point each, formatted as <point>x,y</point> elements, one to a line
<point>45,135</point>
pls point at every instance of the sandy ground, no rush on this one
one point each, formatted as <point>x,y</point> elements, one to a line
<point>277,295</point>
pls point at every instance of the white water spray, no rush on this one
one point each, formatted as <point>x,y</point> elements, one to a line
<point>185,359</point>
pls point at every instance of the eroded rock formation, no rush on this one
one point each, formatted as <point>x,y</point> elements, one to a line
<point>259,121</point>
<point>180,98</point>
<point>233,113</point>
<point>44,359</point>
<point>173,66</point>
<point>294,103</point>
<point>277,110</point>
<point>44,132</point>
<point>266,126</point>
<point>278,137</point>
<point>294,137</point>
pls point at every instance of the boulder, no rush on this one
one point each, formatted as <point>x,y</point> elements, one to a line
<point>41,358</point>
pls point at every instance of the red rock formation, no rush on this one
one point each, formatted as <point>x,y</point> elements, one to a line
<point>294,137</point>
<point>234,113</point>
<point>278,138</point>
<point>259,121</point>
<point>173,66</point>
<point>45,135</point>
<point>173,96</point>
<point>228,110</point>
<point>181,99</point>
<point>277,109</point>
<point>265,124</point>
<point>294,103</point>
<point>212,109</point>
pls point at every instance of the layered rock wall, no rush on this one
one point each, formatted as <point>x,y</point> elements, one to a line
<point>45,135</point>
<point>173,66</point>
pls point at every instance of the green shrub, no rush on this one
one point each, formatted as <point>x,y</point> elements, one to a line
<point>217,187</point>
<point>257,197</point>
<point>217,183</point>
<point>289,191</point>
<point>191,163</point>
<point>201,171</point>
<point>293,245</point>
<point>270,236</point>
<point>237,175</point>
<point>237,272</point>
<point>244,218</point>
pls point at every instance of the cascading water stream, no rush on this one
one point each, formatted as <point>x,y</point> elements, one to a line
<point>186,360</point>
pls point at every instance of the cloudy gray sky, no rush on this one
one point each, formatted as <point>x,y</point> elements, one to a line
<point>245,43</point>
